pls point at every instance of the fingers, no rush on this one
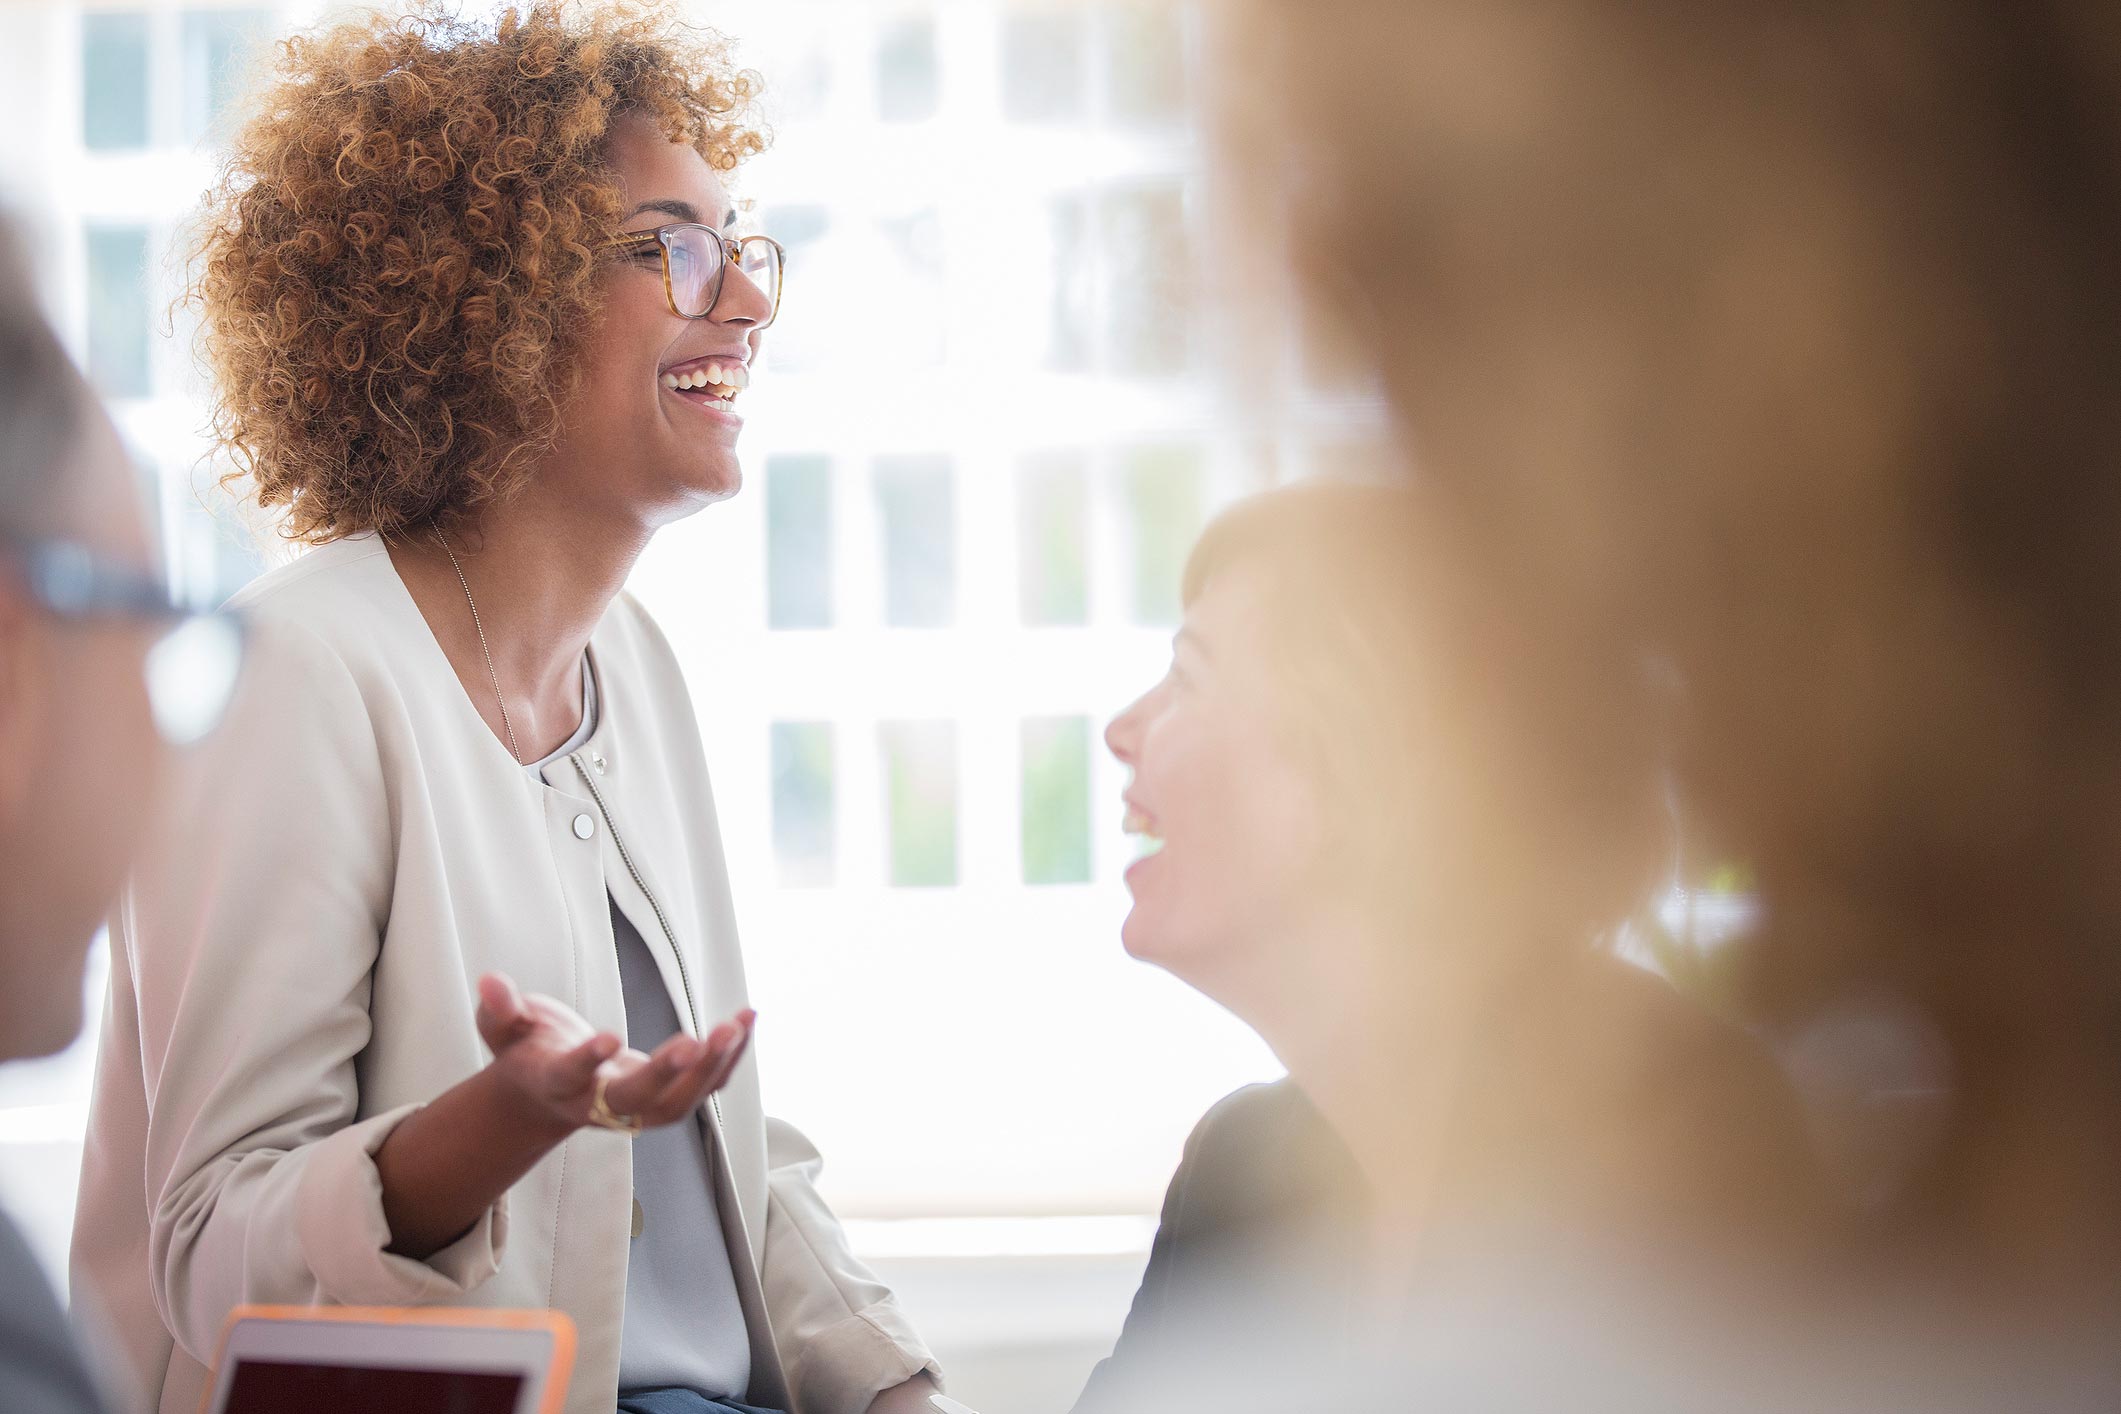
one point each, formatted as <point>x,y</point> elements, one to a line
<point>670,1084</point>
<point>502,1018</point>
<point>684,1089</point>
<point>633,1091</point>
<point>718,1060</point>
<point>575,1071</point>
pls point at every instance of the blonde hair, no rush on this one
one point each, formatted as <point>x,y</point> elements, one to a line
<point>1780,340</point>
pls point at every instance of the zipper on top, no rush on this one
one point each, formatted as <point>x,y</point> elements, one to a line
<point>714,1101</point>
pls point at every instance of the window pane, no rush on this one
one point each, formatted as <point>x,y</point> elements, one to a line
<point>1165,501</point>
<point>920,801</point>
<point>907,82</point>
<point>117,311</point>
<point>803,821</point>
<point>1042,65</point>
<point>1145,63</point>
<point>1074,268</point>
<point>795,226</point>
<point>1148,297</point>
<point>114,80</point>
<point>1052,540</point>
<point>798,542</point>
<point>802,335</point>
<point>1057,800</point>
<point>916,507</point>
<point>915,281</point>
<point>218,45</point>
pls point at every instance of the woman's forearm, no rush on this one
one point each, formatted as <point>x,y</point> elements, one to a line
<point>451,1160</point>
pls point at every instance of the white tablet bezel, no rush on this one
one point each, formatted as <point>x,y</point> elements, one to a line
<point>535,1346</point>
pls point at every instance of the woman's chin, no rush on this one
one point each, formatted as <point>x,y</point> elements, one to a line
<point>1133,936</point>
<point>1146,938</point>
<point>718,480</point>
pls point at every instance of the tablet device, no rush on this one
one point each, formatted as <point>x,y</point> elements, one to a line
<point>356,1360</point>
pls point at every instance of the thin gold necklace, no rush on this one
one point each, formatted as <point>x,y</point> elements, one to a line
<point>487,653</point>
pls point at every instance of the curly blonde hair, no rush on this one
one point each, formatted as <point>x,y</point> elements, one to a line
<point>396,267</point>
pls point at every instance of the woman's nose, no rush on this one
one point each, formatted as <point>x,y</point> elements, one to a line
<point>1123,734</point>
<point>741,301</point>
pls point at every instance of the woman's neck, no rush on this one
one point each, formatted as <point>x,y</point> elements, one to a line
<point>1377,1048</point>
<point>541,577</point>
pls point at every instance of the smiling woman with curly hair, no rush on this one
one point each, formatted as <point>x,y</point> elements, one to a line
<point>414,1002</point>
<point>401,262</point>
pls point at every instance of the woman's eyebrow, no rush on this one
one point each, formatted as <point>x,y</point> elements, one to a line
<point>669,206</point>
<point>683,210</point>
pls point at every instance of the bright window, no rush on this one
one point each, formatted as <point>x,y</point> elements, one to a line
<point>916,504</point>
<point>920,802</point>
<point>114,80</point>
<point>805,834</point>
<point>799,560</point>
<point>1056,800</point>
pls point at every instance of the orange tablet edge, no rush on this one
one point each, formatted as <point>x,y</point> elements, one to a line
<point>554,1323</point>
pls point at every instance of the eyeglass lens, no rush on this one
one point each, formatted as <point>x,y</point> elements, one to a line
<point>697,261</point>
<point>191,675</point>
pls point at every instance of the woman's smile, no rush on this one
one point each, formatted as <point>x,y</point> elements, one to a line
<point>709,383</point>
<point>1142,828</point>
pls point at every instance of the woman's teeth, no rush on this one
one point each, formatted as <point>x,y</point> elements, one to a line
<point>1143,831</point>
<point>725,379</point>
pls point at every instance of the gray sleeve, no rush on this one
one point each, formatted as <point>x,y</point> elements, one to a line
<point>39,1367</point>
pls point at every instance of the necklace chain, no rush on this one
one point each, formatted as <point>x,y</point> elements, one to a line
<point>484,651</point>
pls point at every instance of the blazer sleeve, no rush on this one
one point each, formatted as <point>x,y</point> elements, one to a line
<point>250,933</point>
<point>843,1336</point>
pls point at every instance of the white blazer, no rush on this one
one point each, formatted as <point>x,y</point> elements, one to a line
<point>293,973</point>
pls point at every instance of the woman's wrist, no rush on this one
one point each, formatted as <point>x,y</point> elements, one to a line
<point>455,1157</point>
<point>522,1114</point>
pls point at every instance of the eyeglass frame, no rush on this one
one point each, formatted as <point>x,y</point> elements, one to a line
<point>76,584</point>
<point>71,581</point>
<point>732,252</point>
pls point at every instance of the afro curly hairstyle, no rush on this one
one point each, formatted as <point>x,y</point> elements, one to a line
<point>397,265</point>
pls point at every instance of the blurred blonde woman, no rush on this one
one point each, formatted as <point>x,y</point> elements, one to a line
<point>1778,342</point>
<point>1396,837</point>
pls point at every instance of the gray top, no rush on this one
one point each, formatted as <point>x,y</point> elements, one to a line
<point>684,1327</point>
<point>683,1324</point>
<point>39,1367</point>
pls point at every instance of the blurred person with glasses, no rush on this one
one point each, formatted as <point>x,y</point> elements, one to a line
<point>100,676</point>
<point>431,993</point>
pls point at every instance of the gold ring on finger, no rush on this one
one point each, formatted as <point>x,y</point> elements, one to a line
<point>600,1113</point>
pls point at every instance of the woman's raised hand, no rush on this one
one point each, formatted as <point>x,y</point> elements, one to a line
<point>549,1059</point>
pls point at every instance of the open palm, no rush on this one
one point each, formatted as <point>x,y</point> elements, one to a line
<point>553,1058</point>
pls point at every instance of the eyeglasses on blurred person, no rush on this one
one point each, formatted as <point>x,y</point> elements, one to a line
<point>192,666</point>
<point>85,678</point>
<point>415,997</point>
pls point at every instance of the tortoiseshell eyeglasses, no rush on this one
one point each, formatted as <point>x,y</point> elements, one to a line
<point>694,258</point>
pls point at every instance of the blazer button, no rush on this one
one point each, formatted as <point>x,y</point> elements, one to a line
<point>584,827</point>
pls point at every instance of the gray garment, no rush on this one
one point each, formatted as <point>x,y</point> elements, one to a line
<point>39,1367</point>
<point>583,732</point>
<point>683,1325</point>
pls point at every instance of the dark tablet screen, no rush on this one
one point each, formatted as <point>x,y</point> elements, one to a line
<point>274,1387</point>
